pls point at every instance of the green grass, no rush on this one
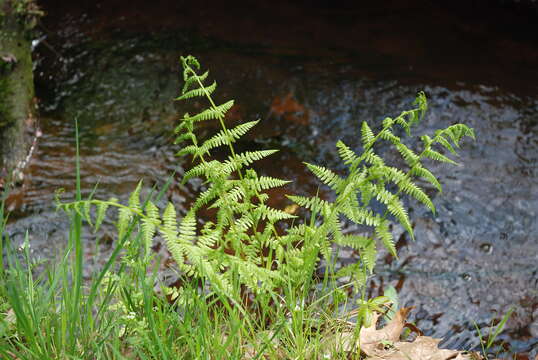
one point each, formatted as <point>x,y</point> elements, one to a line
<point>117,314</point>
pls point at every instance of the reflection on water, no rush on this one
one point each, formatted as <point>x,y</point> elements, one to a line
<point>471,262</point>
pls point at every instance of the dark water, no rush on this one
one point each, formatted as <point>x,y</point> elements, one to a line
<point>470,263</point>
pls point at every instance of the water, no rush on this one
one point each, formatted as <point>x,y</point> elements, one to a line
<point>470,263</point>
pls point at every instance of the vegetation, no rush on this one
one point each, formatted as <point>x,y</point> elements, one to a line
<point>248,286</point>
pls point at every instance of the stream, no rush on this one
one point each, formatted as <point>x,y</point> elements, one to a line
<point>470,263</point>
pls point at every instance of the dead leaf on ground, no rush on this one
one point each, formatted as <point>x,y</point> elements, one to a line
<point>385,344</point>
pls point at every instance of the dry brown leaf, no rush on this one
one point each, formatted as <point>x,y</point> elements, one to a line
<point>423,348</point>
<point>370,337</point>
<point>384,344</point>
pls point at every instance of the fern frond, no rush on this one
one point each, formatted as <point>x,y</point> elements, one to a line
<point>372,158</point>
<point>209,239</point>
<point>414,191</point>
<point>445,143</point>
<point>192,80</point>
<point>211,167</point>
<point>217,112</point>
<point>361,215</point>
<point>422,103</point>
<point>272,214</point>
<point>455,133</point>
<point>149,225</point>
<point>356,242</point>
<point>437,156</point>
<point>382,232</point>
<point>312,203</point>
<point>187,229</point>
<point>225,137</point>
<point>346,154</point>
<point>396,208</point>
<point>206,197</point>
<point>134,198</point>
<point>124,217</point>
<point>407,154</point>
<point>244,159</point>
<point>327,176</point>
<point>266,182</point>
<point>386,134</point>
<point>200,92</point>
<point>369,255</point>
<point>367,136</point>
<point>424,173</point>
<point>244,223</point>
<point>100,215</point>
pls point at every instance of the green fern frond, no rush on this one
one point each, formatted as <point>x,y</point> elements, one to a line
<point>386,134</point>
<point>100,215</point>
<point>456,132</point>
<point>312,203</point>
<point>356,242</point>
<point>213,113</point>
<point>367,136</point>
<point>382,232</point>
<point>369,255</point>
<point>346,154</point>
<point>210,239</point>
<point>225,137</point>
<point>414,191</point>
<point>206,197</point>
<point>169,229</point>
<point>327,176</point>
<point>204,168</point>
<point>361,216</point>
<point>200,92</point>
<point>265,183</point>
<point>422,103</point>
<point>272,214</point>
<point>407,154</point>
<point>445,143</point>
<point>424,173</point>
<point>191,80</point>
<point>437,156</point>
<point>134,198</point>
<point>149,226</point>
<point>396,208</point>
<point>244,159</point>
<point>372,158</point>
<point>124,217</point>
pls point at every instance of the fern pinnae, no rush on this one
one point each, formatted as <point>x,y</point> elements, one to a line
<point>225,137</point>
<point>213,113</point>
<point>191,80</point>
<point>238,161</point>
<point>368,255</point>
<point>385,235</point>
<point>199,92</point>
<point>134,198</point>
<point>327,176</point>
<point>266,182</point>
<point>437,156</point>
<point>407,154</point>
<point>124,217</point>
<point>149,226</point>
<point>100,215</point>
<point>367,136</point>
<point>347,155</point>
<point>445,143</point>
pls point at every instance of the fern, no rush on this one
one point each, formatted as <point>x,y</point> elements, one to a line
<point>241,244</point>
